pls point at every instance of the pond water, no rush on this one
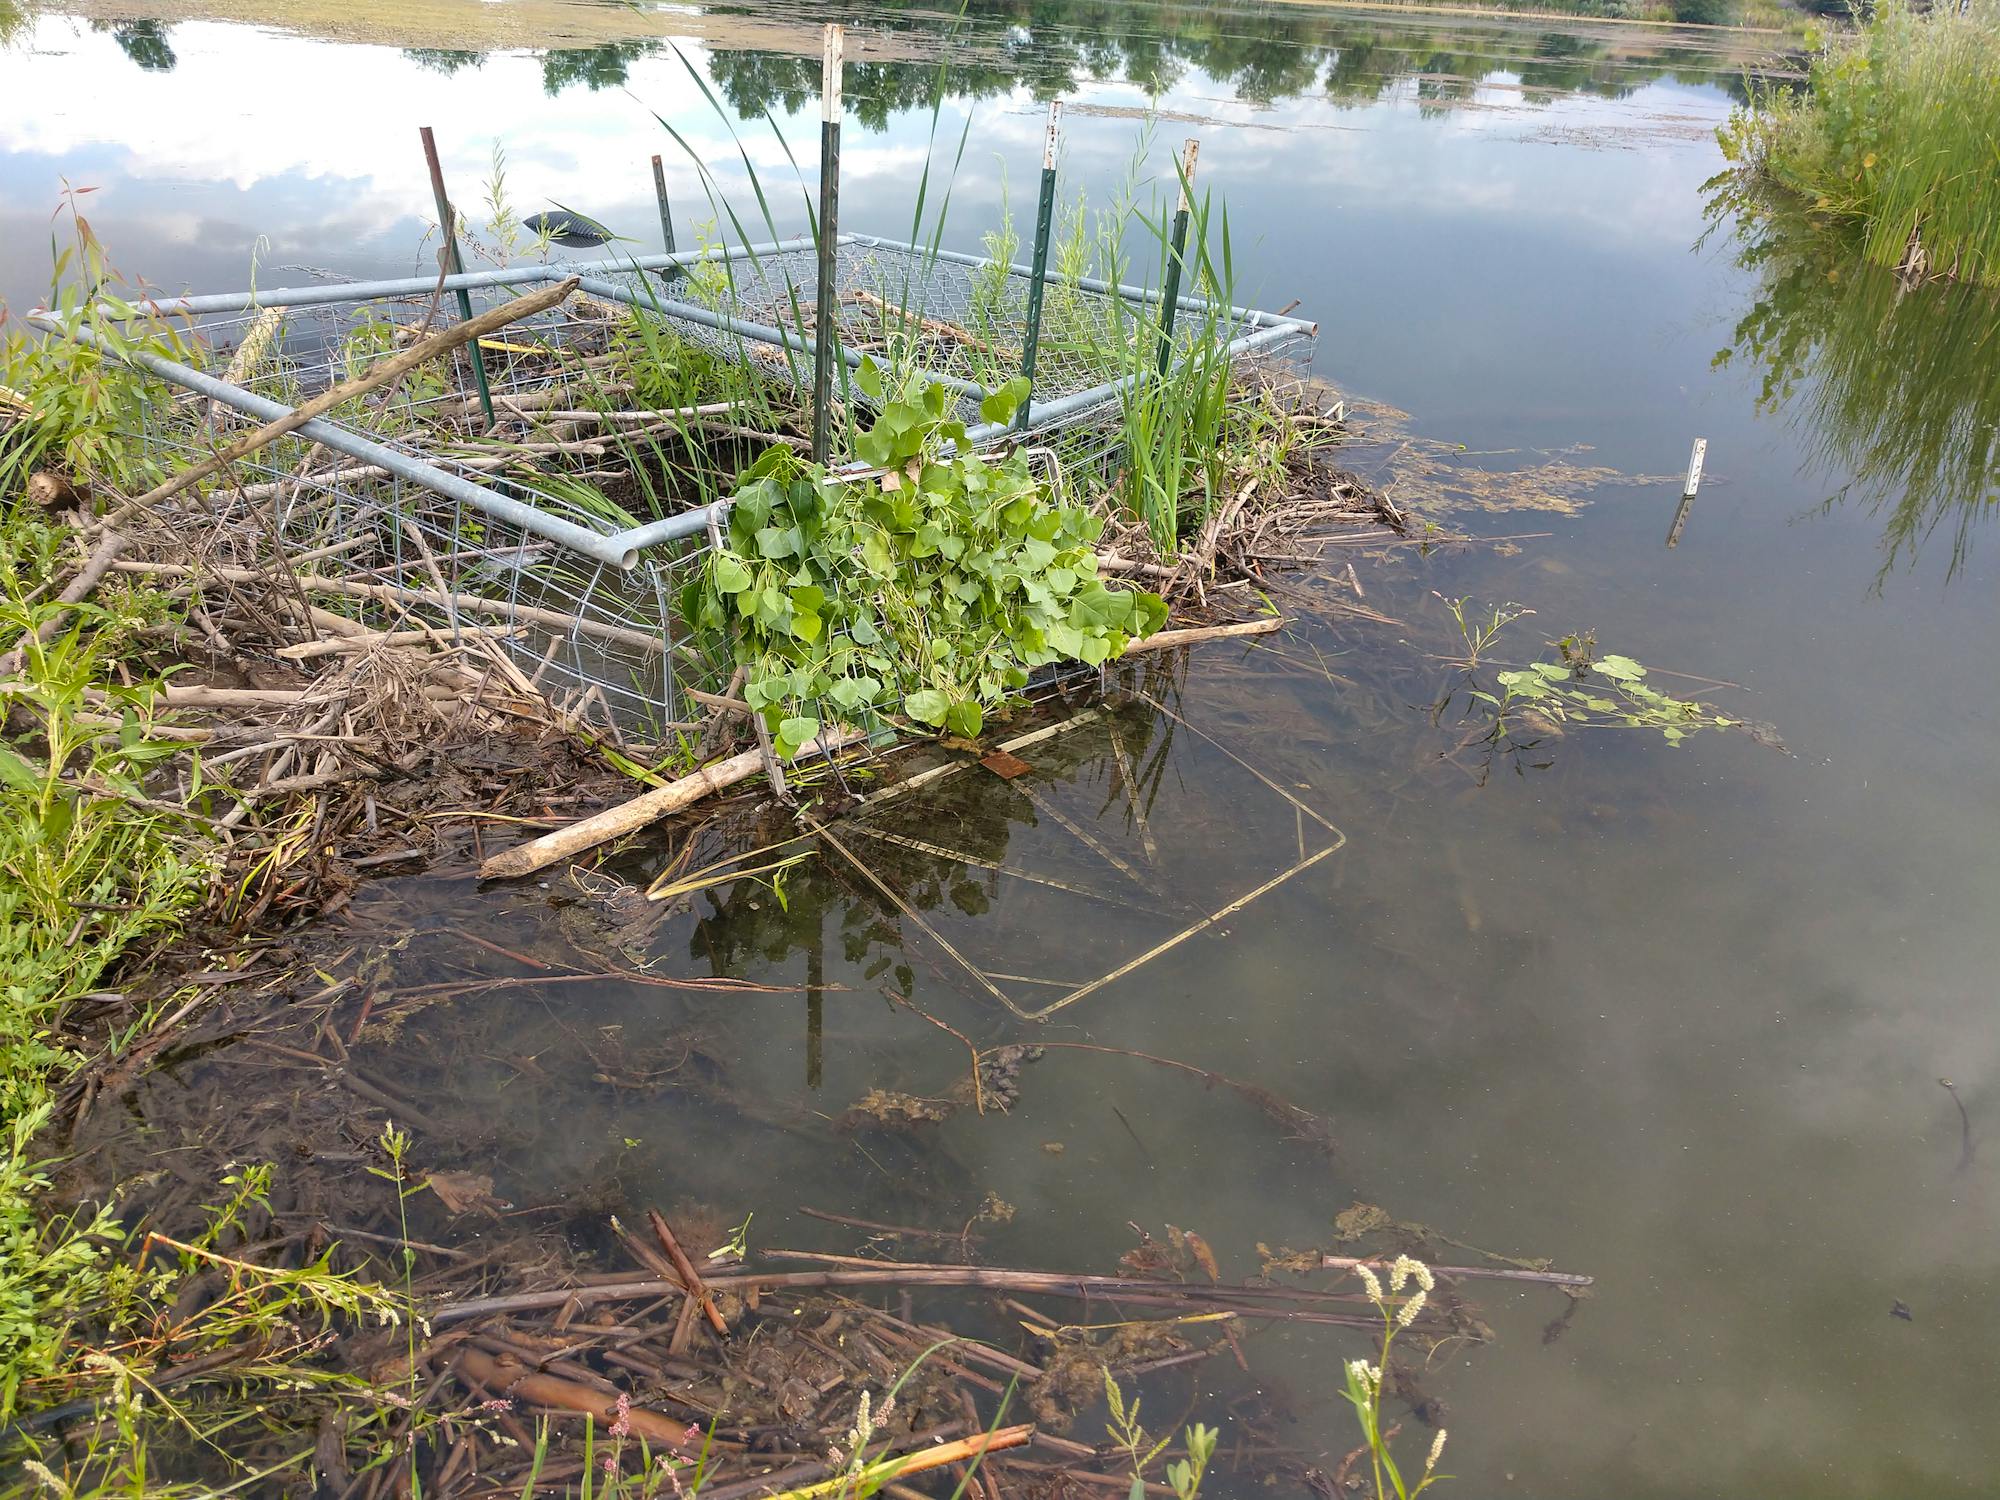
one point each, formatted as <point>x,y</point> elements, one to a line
<point>1674,1017</point>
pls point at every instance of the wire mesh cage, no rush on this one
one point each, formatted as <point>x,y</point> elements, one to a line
<point>445,528</point>
<point>562,523</point>
<point>927,314</point>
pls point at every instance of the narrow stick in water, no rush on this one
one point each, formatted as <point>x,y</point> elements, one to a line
<point>642,811</point>
<point>1163,639</point>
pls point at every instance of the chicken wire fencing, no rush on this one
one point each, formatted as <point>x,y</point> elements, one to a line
<point>404,508</point>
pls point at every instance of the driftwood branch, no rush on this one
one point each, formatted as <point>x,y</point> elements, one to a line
<point>507,1377</point>
<point>937,327</point>
<point>690,1277</point>
<point>1252,1301</point>
<point>1480,1273</point>
<point>1161,640</point>
<point>643,810</point>
<point>380,374</point>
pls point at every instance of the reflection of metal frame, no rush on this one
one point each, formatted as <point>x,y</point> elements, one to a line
<point>984,979</point>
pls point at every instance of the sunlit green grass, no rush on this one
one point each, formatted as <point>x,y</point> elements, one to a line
<point>1898,129</point>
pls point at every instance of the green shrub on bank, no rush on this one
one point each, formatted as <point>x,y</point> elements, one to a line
<point>1898,129</point>
<point>87,871</point>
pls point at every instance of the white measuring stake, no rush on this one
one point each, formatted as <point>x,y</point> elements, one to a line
<point>1695,461</point>
<point>829,77</point>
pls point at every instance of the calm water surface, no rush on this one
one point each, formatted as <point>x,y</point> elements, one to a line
<point>1674,1017</point>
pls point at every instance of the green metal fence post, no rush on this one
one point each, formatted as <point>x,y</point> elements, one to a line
<point>1045,213</point>
<point>666,214</point>
<point>448,250</point>
<point>826,326</point>
<point>1171,296</point>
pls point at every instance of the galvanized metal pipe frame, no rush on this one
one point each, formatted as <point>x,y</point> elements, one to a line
<point>618,549</point>
<point>596,545</point>
<point>321,293</point>
<point>1089,284</point>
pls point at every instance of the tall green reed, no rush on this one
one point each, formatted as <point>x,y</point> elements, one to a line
<point>1898,128</point>
<point>1172,421</point>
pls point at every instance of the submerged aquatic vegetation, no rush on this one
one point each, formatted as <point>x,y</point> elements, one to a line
<point>1583,689</point>
<point>1898,130</point>
<point>1607,692</point>
<point>1480,628</point>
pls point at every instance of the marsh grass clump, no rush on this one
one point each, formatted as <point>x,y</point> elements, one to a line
<point>88,873</point>
<point>1898,129</point>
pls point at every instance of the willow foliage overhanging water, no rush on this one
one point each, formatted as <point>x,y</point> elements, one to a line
<point>1894,391</point>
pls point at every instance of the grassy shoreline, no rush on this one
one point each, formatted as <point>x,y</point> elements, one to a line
<point>1897,131</point>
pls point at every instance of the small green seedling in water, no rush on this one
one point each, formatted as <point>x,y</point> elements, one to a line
<point>737,1246</point>
<point>1183,1475</point>
<point>1480,632</point>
